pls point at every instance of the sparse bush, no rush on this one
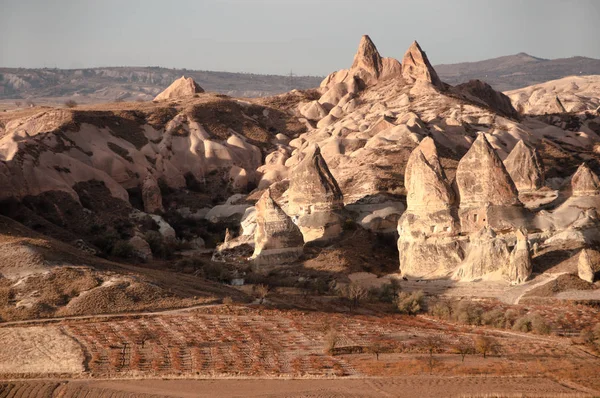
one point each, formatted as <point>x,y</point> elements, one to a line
<point>386,293</point>
<point>122,249</point>
<point>510,317</point>
<point>410,303</point>
<point>441,309</point>
<point>596,331</point>
<point>70,104</point>
<point>331,340</point>
<point>260,292</point>
<point>493,318</point>
<point>159,247</point>
<point>227,301</point>
<point>587,336</point>
<point>532,322</point>
<point>352,292</point>
<point>467,313</point>
<point>18,104</point>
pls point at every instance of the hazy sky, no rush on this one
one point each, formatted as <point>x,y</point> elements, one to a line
<point>273,36</point>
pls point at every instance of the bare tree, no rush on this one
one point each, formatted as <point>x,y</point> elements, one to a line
<point>485,345</point>
<point>433,344</point>
<point>376,348</point>
<point>356,293</point>
<point>463,347</point>
<point>18,104</point>
<point>332,339</point>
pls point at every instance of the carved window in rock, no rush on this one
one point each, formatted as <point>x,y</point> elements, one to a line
<point>433,228</point>
<point>447,229</point>
<point>475,217</point>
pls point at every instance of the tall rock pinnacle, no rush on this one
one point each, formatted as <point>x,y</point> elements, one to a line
<point>416,67</point>
<point>367,57</point>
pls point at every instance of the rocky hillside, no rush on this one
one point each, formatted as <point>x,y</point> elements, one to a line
<point>570,94</point>
<point>382,151</point>
<point>516,71</point>
<point>134,83</point>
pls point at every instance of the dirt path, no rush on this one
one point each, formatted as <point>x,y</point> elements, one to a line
<point>516,294</point>
<point>105,316</point>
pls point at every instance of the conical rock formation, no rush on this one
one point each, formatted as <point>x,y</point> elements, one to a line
<point>180,88</point>
<point>416,67</point>
<point>277,240</point>
<point>367,59</point>
<point>427,231</point>
<point>315,198</point>
<point>524,166</point>
<point>585,182</point>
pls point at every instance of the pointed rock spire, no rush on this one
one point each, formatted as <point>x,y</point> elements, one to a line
<point>424,179</point>
<point>313,184</point>
<point>585,182</point>
<point>416,67</point>
<point>277,240</point>
<point>151,195</point>
<point>524,166</point>
<point>367,57</point>
<point>482,178</point>
<point>182,87</point>
<point>315,198</point>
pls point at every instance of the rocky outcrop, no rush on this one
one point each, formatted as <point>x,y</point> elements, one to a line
<point>427,230</point>
<point>277,240</point>
<point>141,248</point>
<point>151,195</point>
<point>519,266</point>
<point>486,254</point>
<point>585,182</point>
<point>524,166</point>
<point>180,88</point>
<point>315,198</point>
<point>481,91</point>
<point>416,67</point>
<point>488,195</point>
<point>367,60</point>
<point>588,264</point>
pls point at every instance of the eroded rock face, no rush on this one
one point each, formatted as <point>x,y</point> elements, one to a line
<point>492,98</point>
<point>524,166</point>
<point>151,195</point>
<point>180,88</point>
<point>277,240</point>
<point>486,253</point>
<point>367,58</point>
<point>427,230</point>
<point>315,198</point>
<point>416,67</point>
<point>520,267</point>
<point>585,182</point>
<point>588,264</point>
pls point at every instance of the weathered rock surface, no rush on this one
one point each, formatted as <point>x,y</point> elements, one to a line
<point>315,198</point>
<point>180,88</point>
<point>416,67</point>
<point>524,166</point>
<point>588,264</point>
<point>585,182</point>
<point>277,240</point>
<point>486,254</point>
<point>520,266</point>
<point>141,248</point>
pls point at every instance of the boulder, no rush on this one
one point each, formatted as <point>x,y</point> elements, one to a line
<point>313,111</point>
<point>315,198</point>
<point>151,195</point>
<point>525,168</point>
<point>277,240</point>
<point>141,248</point>
<point>585,182</point>
<point>588,264</point>
<point>416,67</point>
<point>180,88</point>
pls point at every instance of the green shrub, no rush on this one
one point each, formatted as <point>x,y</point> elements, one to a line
<point>494,318</point>
<point>122,249</point>
<point>410,303</point>
<point>467,313</point>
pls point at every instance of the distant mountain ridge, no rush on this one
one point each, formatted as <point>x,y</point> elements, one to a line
<point>132,83</point>
<point>516,71</point>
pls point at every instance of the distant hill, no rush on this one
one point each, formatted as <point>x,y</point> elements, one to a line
<point>132,83</point>
<point>516,71</point>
